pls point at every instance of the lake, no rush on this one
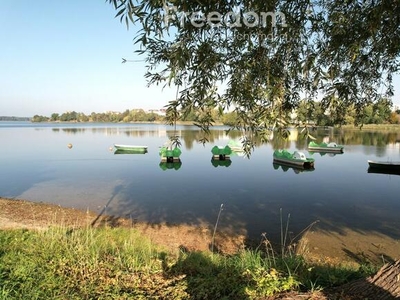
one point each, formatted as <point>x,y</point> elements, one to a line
<point>37,165</point>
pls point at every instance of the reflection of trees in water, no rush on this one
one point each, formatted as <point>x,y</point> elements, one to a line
<point>140,133</point>
<point>280,143</point>
<point>378,139</point>
<point>189,137</point>
<point>301,142</point>
<point>369,138</point>
<point>73,130</point>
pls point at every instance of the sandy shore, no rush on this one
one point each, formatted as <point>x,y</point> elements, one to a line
<point>316,245</point>
<point>21,214</point>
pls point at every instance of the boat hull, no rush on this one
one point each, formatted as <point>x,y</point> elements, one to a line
<point>326,149</point>
<point>295,163</point>
<point>392,166</point>
<point>130,147</point>
<point>296,159</point>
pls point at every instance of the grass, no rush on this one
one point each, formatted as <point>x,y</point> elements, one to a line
<point>119,263</point>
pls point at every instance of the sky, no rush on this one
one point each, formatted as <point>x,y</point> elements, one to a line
<point>65,55</point>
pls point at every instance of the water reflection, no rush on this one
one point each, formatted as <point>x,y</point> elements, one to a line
<point>339,192</point>
<point>286,168</point>
<point>221,162</point>
<point>373,142</point>
<point>383,171</point>
<point>170,165</point>
<point>190,135</point>
<point>380,140</point>
<point>130,151</point>
<point>325,153</point>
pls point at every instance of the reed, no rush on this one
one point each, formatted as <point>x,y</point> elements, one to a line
<point>215,228</point>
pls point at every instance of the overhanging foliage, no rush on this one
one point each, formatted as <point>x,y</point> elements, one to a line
<point>261,58</point>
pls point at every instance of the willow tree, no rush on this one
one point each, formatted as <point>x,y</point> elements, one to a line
<point>260,58</point>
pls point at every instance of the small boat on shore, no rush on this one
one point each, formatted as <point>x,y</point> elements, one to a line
<point>384,165</point>
<point>130,147</point>
<point>297,159</point>
<point>325,147</point>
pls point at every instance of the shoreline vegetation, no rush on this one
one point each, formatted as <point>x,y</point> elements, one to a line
<point>51,252</point>
<point>377,127</point>
<point>307,112</point>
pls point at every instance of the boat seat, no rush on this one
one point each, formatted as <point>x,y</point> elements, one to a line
<point>299,155</point>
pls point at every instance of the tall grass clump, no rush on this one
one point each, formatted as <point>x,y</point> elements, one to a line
<point>80,264</point>
<point>119,263</point>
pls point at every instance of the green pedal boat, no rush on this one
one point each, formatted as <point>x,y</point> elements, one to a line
<point>296,159</point>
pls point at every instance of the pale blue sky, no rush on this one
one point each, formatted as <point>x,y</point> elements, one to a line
<point>65,55</point>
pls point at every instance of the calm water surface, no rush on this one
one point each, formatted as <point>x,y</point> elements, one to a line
<point>37,165</point>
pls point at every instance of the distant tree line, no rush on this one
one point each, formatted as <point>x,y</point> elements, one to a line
<point>311,112</point>
<point>134,115</point>
<point>8,118</point>
<point>338,113</point>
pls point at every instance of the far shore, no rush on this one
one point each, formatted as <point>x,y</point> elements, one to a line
<point>191,123</point>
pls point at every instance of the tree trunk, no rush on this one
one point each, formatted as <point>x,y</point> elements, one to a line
<point>385,284</point>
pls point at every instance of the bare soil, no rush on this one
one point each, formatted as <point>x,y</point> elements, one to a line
<point>352,247</point>
<point>20,214</point>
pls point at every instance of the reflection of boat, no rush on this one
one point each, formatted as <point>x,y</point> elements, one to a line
<point>221,163</point>
<point>130,151</point>
<point>383,171</point>
<point>129,147</point>
<point>384,165</point>
<point>285,168</point>
<point>170,165</point>
<point>325,147</point>
<point>296,158</point>
<point>331,154</point>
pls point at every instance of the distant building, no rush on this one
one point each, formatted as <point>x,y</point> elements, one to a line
<point>160,112</point>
